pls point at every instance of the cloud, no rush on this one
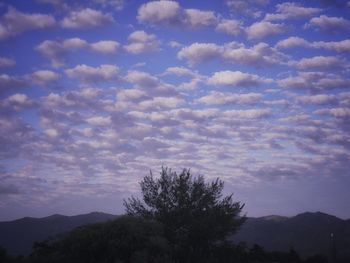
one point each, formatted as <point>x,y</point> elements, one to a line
<point>263,29</point>
<point>197,18</point>
<point>329,23</point>
<point>233,52</point>
<point>100,120</point>
<point>141,42</point>
<point>141,78</point>
<point>86,73</point>
<point>246,7</point>
<point>7,62</point>
<point>336,112</point>
<point>171,13</point>
<point>319,99</point>
<point>43,77</point>
<point>86,18</point>
<point>246,114</point>
<point>199,52</point>
<point>314,81</point>
<point>57,50</point>
<point>340,46</point>
<point>320,63</point>
<point>85,98</point>
<point>257,55</point>
<point>115,4</point>
<point>14,22</point>
<point>236,79</point>
<point>15,103</point>
<point>292,42</point>
<point>230,27</point>
<point>160,103</point>
<point>179,71</point>
<point>105,46</point>
<point>159,12</point>
<point>9,83</point>
<point>220,98</point>
<point>290,10</point>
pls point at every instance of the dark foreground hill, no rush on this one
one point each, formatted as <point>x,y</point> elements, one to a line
<point>307,233</point>
<point>18,236</point>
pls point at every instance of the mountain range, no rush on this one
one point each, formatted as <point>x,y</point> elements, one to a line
<point>307,233</point>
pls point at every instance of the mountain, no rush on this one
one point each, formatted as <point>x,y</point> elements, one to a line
<point>307,233</point>
<point>18,236</point>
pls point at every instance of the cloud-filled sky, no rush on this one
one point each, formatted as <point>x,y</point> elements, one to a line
<point>94,94</point>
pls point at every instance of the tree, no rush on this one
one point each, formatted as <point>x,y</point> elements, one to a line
<point>195,215</point>
<point>125,239</point>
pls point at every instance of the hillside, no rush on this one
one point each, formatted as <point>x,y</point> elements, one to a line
<point>18,236</point>
<point>307,233</point>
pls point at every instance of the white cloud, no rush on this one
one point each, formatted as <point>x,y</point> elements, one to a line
<point>340,46</point>
<point>141,78</point>
<point>43,77</point>
<point>220,98</point>
<point>141,42</point>
<point>179,71</point>
<point>335,112</point>
<point>259,54</point>
<point>199,52</point>
<point>115,4</point>
<point>329,23</point>
<point>105,46</point>
<point>130,94</point>
<point>90,74</point>
<point>7,62</point>
<point>291,10</point>
<point>86,18</point>
<point>8,82</point>
<point>58,50</point>
<point>16,102</point>
<point>318,99</point>
<point>100,120</point>
<point>171,13</point>
<point>163,12</point>
<point>197,18</point>
<point>263,29</point>
<point>230,27</point>
<point>246,7</point>
<point>159,103</point>
<point>320,63</point>
<point>314,81</point>
<point>247,114</point>
<point>291,42</point>
<point>14,22</point>
<point>236,78</point>
<point>233,52</point>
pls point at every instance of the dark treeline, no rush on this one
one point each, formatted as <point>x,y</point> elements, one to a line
<point>180,219</point>
<point>133,239</point>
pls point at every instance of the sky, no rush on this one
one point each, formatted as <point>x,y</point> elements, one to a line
<point>95,94</point>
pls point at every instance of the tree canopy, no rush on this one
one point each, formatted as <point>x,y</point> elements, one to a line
<point>195,214</point>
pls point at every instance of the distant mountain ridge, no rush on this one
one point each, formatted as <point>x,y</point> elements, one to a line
<point>18,236</point>
<point>307,233</point>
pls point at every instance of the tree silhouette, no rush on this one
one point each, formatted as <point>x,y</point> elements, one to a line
<point>195,215</point>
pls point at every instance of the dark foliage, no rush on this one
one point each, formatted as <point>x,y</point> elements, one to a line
<point>123,240</point>
<point>195,215</point>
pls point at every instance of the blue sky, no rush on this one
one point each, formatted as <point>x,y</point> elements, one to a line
<point>94,94</point>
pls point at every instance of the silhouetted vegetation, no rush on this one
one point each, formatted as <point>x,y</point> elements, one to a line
<point>180,219</point>
<point>195,215</point>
